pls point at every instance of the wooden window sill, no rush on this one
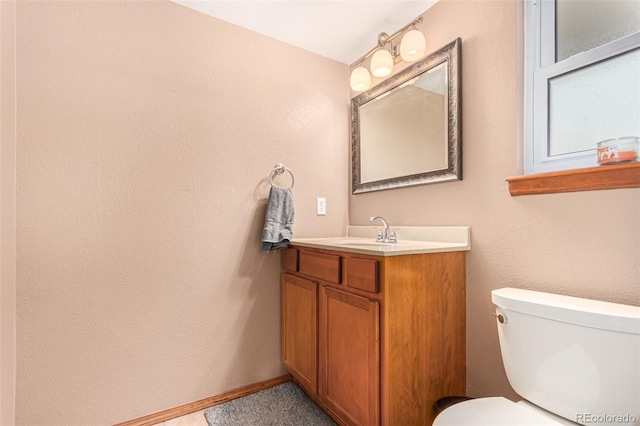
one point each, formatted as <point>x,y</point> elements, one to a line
<point>615,176</point>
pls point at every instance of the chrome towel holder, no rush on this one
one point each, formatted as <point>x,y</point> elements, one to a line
<point>279,169</point>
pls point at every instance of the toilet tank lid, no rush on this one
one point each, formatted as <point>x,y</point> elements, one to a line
<point>573,310</point>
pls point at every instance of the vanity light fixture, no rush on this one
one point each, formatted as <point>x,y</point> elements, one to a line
<point>386,54</point>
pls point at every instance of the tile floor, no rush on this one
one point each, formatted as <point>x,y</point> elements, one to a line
<point>193,419</point>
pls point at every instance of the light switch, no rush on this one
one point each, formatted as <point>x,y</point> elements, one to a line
<point>321,206</point>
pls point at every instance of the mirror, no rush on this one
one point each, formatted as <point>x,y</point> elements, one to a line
<point>406,131</point>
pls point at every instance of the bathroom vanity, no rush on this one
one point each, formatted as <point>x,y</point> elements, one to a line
<point>375,333</point>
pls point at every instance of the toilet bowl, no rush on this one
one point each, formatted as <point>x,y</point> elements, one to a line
<point>498,411</point>
<point>573,360</point>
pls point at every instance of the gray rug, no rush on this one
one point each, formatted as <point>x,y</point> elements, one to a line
<point>282,405</point>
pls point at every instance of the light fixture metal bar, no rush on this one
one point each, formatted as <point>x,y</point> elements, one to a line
<point>387,39</point>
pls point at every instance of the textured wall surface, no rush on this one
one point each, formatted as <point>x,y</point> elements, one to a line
<point>144,140</point>
<point>7,212</point>
<point>581,244</point>
<point>146,132</point>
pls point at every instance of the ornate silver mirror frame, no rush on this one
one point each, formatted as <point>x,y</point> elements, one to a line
<point>449,55</point>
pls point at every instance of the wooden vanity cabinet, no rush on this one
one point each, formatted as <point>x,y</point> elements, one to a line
<point>300,329</point>
<point>374,340</point>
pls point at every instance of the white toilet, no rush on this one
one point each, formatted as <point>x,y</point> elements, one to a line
<point>573,360</point>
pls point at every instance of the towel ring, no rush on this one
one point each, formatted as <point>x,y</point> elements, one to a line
<point>279,169</point>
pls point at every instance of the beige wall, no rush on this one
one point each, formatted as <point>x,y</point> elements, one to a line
<point>581,244</point>
<point>146,132</point>
<point>7,211</point>
<point>144,142</point>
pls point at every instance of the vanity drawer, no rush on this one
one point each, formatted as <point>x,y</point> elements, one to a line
<point>325,267</point>
<point>362,274</point>
<point>290,259</point>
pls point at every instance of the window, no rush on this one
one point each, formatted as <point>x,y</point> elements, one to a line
<point>582,79</point>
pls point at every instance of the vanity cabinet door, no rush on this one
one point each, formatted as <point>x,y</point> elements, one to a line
<point>300,330</point>
<point>350,356</point>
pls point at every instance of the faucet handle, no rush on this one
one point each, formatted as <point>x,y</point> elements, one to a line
<point>380,236</point>
<point>392,235</point>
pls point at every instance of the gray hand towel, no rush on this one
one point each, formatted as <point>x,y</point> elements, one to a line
<point>278,222</point>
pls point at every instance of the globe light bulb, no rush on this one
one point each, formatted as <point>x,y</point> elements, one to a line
<point>381,63</point>
<point>360,79</point>
<point>412,46</point>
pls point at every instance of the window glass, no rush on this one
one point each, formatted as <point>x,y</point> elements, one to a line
<point>598,102</point>
<point>582,79</point>
<point>584,24</point>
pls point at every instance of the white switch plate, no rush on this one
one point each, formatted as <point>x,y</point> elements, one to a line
<point>321,206</point>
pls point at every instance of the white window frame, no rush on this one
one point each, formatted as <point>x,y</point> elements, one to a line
<point>540,67</point>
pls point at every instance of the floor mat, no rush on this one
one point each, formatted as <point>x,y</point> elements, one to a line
<point>283,405</point>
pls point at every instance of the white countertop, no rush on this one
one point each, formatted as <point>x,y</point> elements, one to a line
<point>411,240</point>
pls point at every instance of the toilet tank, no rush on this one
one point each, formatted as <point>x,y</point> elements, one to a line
<point>577,358</point>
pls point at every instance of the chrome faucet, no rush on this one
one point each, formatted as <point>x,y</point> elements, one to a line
<point>386,236</point>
